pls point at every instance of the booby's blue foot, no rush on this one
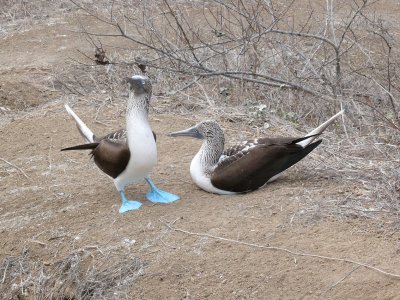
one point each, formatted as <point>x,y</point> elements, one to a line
<point>128,205</point>
<point>158,196</point>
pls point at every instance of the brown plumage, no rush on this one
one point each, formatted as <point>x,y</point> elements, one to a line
<point>110,153</point>
<point>247,170</point>
<point>127,155</point>
<point>246,166</point>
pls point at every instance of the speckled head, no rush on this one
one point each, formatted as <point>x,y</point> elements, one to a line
<point>206,130</point>
<point>139,85</point>
<point>139,95</point>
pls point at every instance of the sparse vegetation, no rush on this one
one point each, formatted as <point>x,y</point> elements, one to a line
<point>298,61</point>
<point>306,60</point>
<point>261,67</point>
<point>87,273</point>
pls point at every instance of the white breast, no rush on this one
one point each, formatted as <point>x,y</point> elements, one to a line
<point>202,180</point>
<point>143,149</point>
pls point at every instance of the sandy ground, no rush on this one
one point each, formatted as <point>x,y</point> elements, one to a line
<point>270,244</point>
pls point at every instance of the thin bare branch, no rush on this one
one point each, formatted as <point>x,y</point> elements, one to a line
<point>281,249</point>
<point>15,167</point>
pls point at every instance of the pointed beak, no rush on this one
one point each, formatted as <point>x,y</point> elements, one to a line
<point>191,132</point>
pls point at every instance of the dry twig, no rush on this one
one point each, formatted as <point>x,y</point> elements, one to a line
<point>361,264</point>
<point>340,280</point>
<point>14,166</point>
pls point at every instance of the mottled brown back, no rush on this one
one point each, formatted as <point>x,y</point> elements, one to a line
<point>251,164</point>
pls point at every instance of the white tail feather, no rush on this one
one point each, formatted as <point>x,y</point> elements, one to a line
<point>319,130</point>
<point>86,133</point>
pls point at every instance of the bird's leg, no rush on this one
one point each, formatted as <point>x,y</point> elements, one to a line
<point>158,196</point>
<point>128,205</point>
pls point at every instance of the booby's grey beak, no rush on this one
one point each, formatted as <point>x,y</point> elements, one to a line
<point>191,132</point>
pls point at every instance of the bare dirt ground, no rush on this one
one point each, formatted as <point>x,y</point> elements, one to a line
<point>59,213</point>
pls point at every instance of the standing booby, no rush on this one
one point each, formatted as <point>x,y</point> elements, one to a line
<point>246,166</point>
<point>127,155</point>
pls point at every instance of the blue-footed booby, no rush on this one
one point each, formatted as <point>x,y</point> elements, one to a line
<point>246,166</point>
<point>127,155</point>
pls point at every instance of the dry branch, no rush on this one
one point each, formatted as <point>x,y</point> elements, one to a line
<point>262,43</point>
<point>281,249</point>
<point>14,166</point>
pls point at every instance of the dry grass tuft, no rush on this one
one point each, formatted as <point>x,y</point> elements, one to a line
<point>84,274</point>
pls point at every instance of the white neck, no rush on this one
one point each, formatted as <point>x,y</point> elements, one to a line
<point>209,154</point>
<point>203,164</point>
<point>137,122</point>
<point>141,143</point>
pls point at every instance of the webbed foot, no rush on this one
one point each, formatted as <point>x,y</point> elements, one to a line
<point>128,205</point>
<point>159,196</point>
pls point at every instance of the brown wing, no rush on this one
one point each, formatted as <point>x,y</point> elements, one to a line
<point>250,169</point>
<point>110,152</point>
<point>111,156</point>
<point>258,142</point>
<point>119,135</point>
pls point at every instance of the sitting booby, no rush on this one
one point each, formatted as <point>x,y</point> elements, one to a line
<point>246,166</point>
<point>127,155</point>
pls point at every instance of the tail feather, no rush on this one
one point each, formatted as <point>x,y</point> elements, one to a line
<point>317,131</point>
<point>82,147</point>
<point>299,140</point>
<point>86,133</point>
